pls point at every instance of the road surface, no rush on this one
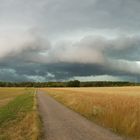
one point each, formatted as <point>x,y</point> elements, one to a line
<point>61,123</point>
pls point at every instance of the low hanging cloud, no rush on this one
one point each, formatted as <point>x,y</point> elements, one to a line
<point>20,42</point>
<point>132,67</point>
<point>94,51</point>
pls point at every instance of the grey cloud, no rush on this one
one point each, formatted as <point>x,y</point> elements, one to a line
<point>91,50</point>
<point>59,16</point>
<point>131,67</point>
<point>60,71</point>
<point>89,56</point>
<point>94,14</point>
<point>53,39</point>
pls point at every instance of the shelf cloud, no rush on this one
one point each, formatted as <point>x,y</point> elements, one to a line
<point>62,40</point>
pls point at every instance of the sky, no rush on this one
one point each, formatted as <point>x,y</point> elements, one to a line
<point>61,40</point>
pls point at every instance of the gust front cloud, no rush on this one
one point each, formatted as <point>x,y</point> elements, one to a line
<point>92,50</point>
<point>95,51</point>
<point>62,39</point>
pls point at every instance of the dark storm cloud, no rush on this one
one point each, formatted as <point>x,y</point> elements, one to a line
<point>62,39</point>
<point>63,63</point>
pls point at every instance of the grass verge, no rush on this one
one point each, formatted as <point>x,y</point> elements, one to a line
<point>19,118</point>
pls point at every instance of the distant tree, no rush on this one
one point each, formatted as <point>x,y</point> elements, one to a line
<point>74,83</point>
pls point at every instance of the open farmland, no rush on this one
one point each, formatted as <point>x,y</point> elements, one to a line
<point>18,114</point>
<point>117,109</point>
<point>7,94</point>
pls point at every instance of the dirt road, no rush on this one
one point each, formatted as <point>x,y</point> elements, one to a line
<point>61,123</point>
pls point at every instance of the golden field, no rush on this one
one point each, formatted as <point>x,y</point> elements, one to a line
<point>116,108</point>
<point>18,114</point>
<point>7,94</point>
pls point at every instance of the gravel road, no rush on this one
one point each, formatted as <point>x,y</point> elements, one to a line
<point>61,123</point>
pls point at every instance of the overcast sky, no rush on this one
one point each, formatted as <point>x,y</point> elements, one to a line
<point>58,40</point>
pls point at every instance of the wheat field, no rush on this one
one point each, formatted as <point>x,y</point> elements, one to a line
<point>7,94</point>
<point>116,108</point>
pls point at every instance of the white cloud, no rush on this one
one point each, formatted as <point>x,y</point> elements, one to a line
<point>35,78</point>
<point>50,75</point>
<point>14,44</point>
<point>98,78</point>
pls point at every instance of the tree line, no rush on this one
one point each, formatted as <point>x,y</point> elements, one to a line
<point>74,83</point>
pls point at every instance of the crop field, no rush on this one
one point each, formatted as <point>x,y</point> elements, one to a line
<point>115,108</point>
<point>7,94</point>
<point>18,114</point>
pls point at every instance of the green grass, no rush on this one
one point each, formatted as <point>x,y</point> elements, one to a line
<point>20,104</point>
<point>19,118</point>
